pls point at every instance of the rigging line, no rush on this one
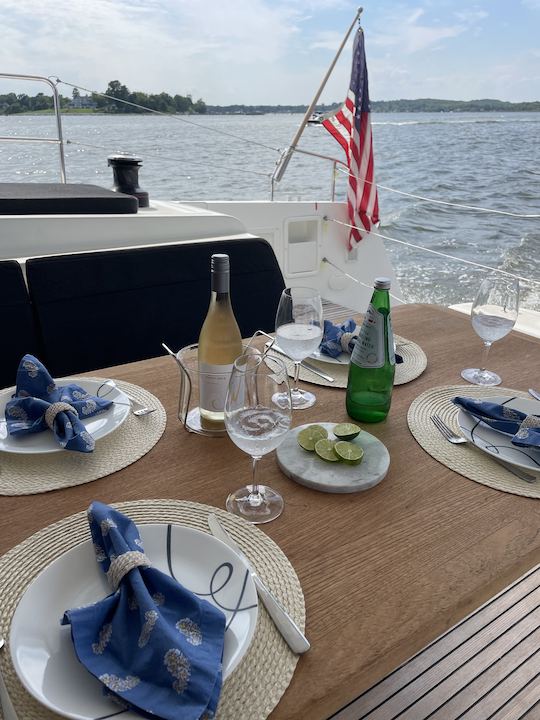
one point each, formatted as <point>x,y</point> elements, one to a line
<point>445,202</point>
<point>437,252</point>
<point>174,159</point>
<point>170,115</point>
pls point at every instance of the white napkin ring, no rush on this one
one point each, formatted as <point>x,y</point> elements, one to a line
<point>346,339</point>
<point>54,409</point>
<point>122,564</point>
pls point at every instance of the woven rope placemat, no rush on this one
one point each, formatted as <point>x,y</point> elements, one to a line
<point>414,363</point>
<point>30,474</point>
<point>257,684</point>
<point>466,460</point>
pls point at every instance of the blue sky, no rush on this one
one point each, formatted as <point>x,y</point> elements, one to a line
<point>273,51</point>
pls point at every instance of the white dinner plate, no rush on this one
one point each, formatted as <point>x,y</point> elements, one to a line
<point>44,442</point>
<point>342,359</point>
<point>497,443</point>
<point>42,651</point>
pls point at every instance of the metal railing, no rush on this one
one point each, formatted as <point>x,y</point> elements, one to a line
<point>58,140</point>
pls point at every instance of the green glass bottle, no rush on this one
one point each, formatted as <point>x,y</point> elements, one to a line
<point>373,361</point>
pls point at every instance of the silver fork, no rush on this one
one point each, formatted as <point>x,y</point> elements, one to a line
<point>451,436</point>
<point>443,428</point>
<point>137,408</point>
<point>5,701</point>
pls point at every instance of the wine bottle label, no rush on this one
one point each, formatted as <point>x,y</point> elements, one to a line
<point>213,384</point>
<point>369,348</point>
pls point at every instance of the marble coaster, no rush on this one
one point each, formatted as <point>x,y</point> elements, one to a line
<point>312,471</point>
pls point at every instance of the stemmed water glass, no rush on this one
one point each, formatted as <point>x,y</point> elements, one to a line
<point>299,331</point>
<point>257,425</point>
<point>493,314</point>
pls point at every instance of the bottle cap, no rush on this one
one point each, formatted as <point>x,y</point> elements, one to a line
<point>219,263</point>
<point>382,283</point>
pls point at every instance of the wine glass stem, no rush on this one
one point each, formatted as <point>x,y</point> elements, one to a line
<point>485,354</point>
<point>255,497</point>
<point>295,388</point>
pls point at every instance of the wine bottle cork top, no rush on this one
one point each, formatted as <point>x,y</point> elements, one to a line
<point>382,283</point>
<point>219,263</point>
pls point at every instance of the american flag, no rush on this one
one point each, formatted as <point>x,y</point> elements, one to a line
<point>351,126</point>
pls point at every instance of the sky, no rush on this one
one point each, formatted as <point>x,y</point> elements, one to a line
<point>276,51</point>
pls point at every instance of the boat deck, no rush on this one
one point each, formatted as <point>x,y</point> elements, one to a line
<point>487,666</point>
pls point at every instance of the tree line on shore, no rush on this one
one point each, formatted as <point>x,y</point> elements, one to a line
<point>163,102</point>
<point>11,103</point>
<point>388,106</point>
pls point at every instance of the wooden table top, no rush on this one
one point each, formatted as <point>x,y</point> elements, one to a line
<point>384,572</point>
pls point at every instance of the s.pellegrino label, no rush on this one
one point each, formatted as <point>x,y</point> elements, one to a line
<point>369,348</point>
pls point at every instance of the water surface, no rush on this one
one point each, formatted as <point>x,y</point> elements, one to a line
<point>486,159</point>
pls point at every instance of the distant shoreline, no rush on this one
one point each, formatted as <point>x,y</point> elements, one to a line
<point>426,105</point>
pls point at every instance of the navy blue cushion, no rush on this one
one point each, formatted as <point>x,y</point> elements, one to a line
<point>107,308</point>
<point>62,199</point>
<point>17,321</point>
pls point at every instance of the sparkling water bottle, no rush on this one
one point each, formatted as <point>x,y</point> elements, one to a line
<point>373,362</point>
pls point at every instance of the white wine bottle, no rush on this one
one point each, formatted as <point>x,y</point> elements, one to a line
<point>220,343</point>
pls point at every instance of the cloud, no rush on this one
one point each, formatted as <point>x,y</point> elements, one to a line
<point>149,45</point>
<point>411,35</point>
<point>261,51</point>
<point>471,17</point>
<point>326,40</point>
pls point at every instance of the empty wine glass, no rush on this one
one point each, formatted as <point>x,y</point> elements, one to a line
<point>493,314</point>
<point>257,425</point>
<point>299,331</point>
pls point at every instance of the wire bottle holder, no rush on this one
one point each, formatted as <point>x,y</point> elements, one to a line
<point>189,411</point>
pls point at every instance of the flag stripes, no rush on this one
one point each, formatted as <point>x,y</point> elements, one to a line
<point>351,127</point>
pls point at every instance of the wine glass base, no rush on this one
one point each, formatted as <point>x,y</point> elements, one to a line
<point>260,508</point>
<point>300,399</point>
<point>476,376</point>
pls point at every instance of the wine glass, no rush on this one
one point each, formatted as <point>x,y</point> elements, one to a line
<point>299,331</point>
<point>493,314</point>
<point>257,425</point>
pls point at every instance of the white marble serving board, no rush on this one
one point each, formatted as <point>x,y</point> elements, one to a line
<point>308,469</point>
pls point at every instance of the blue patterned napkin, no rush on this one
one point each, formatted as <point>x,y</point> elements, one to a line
<point>38,404</point>
<point>339,339</point>
<point>336,338</point>
<point>525,428</point>
<point>153,644</point>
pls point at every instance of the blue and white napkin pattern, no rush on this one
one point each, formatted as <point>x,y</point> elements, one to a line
<point>336,338</point>
<point>339,339</point>
<point>39,404</point>
<point>524,428</point>
<point>155,646</point>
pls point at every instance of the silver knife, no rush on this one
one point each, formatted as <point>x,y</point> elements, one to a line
<point>290,631</point>
<point>515,471</point>
<point>534,394</point>
<point>306,365</point>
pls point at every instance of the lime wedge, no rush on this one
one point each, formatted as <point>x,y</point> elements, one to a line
<point>348,452</point>
<point>325,450</point>
<point>309,436</point>
<point>347,431</point>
